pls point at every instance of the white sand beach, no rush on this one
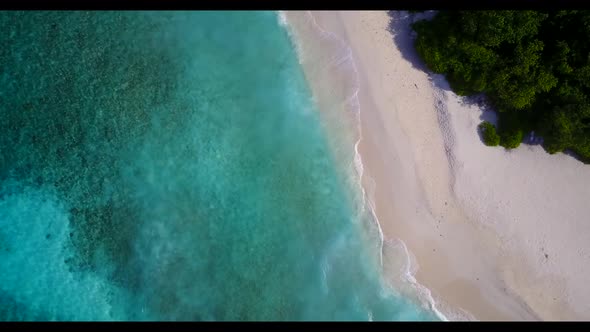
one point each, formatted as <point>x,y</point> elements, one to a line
<point>494,234</point>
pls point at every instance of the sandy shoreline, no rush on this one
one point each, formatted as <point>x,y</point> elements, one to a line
<point>500,235</point>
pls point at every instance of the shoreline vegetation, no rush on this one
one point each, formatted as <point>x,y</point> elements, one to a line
<point>534,67</point>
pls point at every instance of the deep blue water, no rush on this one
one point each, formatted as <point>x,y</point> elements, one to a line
<point>172,166</point>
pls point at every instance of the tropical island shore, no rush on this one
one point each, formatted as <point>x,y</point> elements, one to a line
<point>494,234</point>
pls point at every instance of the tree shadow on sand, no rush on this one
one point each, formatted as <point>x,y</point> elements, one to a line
<point>404,37</point>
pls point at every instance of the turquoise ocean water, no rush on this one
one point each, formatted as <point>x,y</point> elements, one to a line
<point>172,166</point>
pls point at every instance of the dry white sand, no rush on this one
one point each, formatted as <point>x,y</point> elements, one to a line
<point>494,234</point>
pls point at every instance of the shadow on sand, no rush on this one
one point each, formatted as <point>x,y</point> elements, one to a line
<point>404,37</point>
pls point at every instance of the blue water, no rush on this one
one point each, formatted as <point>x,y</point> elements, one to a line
<point>172,166</point>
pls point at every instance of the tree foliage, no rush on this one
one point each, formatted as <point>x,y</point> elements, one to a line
<point>533,65</point>
<point>490,137</point>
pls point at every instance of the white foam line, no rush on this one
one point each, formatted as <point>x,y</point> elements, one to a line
<point>360,167</point>
<point>410,277</point>
<point>282,18</point>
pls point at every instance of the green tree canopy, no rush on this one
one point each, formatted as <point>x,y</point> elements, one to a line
<point>533,65</point>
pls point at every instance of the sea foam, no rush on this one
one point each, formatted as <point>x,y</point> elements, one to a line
<point>406,270</point>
